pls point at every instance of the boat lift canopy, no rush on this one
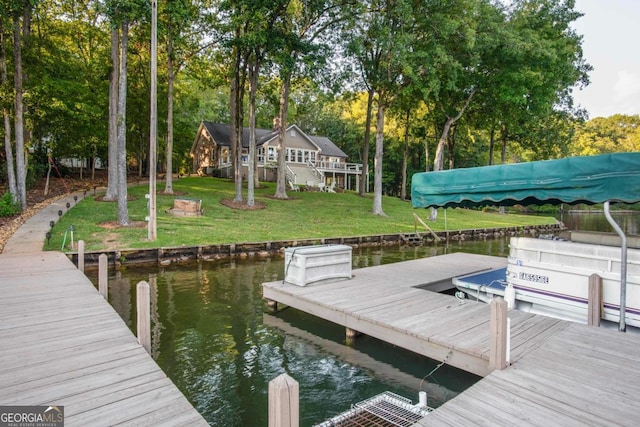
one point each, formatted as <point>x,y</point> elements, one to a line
<point>573,180</point>
<point>594,179</point>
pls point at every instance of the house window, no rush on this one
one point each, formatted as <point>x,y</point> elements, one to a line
<point>260,155</point>
<point>299,152</point>
<point>312,157</point>
<point>272,154</point>
<point>225,156</point>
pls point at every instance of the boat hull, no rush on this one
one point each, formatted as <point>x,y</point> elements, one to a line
<point>551,277</point>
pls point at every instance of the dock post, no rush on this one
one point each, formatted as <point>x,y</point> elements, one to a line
<point>284,400</point>
<point>103,276</point>
<point>144,316</point>
<point>81,255</point>
<point>595,300</point>
<point>498,337</point>
<point>273,305</point>
<point>351,335</point>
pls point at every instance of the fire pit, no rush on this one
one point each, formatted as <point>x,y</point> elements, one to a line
<point>186,207</point>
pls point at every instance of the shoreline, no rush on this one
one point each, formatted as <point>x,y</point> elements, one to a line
<point>169,255</point>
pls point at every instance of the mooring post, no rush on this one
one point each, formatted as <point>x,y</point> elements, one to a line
<point>144,316</point>
<point>498,337</point>
<point>273,305</point>
<point>283,402</point>
<point>595,300</point>
<point>351,333</point>
<point>103,276</point>
<point>81,255</point>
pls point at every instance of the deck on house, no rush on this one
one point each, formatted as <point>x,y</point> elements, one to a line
<point>62,344</point>
<point>561,373</point>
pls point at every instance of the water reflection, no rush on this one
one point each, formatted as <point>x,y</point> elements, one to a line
<point>596,221</point>
<point>210,336</point>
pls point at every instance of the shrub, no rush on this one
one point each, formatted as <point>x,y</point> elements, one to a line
<point>8,206</point>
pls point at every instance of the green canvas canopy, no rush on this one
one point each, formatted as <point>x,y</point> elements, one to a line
<point>573,180</point>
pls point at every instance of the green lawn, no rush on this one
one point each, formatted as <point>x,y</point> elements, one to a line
<point>304,215</point>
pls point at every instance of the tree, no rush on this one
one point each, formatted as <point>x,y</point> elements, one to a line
<point>112,178</point>
<point>11,174</point>
<point>179,19</point>
<point>384,46</point>
<point>543,65</point>
<point>66,74</point>
<point>301,47</point>
<point>21,23</point>
<point>121,14</point>
<point>262,21</point>
<point>617,133</point>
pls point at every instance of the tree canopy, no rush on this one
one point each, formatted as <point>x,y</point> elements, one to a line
<point>438,84</point>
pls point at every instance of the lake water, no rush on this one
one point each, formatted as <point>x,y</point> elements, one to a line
<point>214,337</point>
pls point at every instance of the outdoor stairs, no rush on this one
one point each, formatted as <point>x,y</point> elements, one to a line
<point>412,238</point>
<point>304,175</point>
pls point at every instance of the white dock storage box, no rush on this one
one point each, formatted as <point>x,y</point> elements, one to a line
<point>307,264</point>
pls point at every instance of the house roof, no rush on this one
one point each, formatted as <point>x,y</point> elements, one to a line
<point>221,133</point>
<point>327,147</point>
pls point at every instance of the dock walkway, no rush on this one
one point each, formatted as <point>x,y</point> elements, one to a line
<point>63,344</point>
<point>581,376</point>
<point>387,303</point>
<point>561,373</point>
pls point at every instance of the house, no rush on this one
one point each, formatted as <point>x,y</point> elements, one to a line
<point>311,160</point>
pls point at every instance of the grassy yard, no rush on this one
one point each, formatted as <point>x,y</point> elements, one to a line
<point>304,215</point>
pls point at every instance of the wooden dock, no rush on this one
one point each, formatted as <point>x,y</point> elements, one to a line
<point>387,303</point>
<point>561,373</point>
<point>63,344</point>
<point>581,376</point>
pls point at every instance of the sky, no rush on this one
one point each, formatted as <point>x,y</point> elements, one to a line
<point>611,44</point>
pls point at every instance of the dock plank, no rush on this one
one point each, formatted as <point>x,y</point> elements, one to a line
<point>63,344</point>
<point>387,303</point>
<point>561,373</point>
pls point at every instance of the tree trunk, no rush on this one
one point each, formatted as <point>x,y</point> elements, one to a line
<point>365,148</point>
<point>93,163</point>
<point>236,104</point>
<point>253,89</point>
<point>21,167</point>
<point>168,187</point>
<point>112,162</point>
<point>503,154</point>
<point>504,137</point>
<point>123,211</point>
<point>281,180</point>
<point>46,183</point>
<point>405,156</point>
<point>11,173</point>
<point>451,146</point>
<point>491,144</point>
<point>377,161</point>
<point>426,152</point>
<point>438,162</point>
